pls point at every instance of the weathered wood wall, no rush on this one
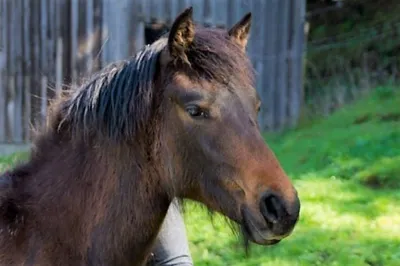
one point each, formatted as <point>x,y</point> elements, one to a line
<point>47,45</point>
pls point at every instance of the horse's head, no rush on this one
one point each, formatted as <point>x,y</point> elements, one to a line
<point>216,143</point>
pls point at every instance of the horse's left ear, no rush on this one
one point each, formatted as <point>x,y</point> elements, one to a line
<point>181,36</point>
<point>240,31</point>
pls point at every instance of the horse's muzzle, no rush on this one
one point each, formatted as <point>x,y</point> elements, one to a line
<point>277,219</point>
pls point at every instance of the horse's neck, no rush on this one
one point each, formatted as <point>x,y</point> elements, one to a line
<point>106,207</point>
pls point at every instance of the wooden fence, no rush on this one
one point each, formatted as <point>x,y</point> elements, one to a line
<point>47,44</point>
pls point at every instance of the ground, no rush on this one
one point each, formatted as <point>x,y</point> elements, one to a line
<point>347,172</point>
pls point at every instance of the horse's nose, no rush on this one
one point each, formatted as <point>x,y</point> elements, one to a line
<point>272,207</point>
<point>280,215</point>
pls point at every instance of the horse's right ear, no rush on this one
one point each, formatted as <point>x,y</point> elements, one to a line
<point>241,30</point>
<point>181,36</point>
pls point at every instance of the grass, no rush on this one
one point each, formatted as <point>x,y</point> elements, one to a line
<point>347,171</point>
<point>6,162</point>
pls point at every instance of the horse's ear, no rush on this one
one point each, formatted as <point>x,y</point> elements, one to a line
<point>181,36</point>
<point>240,31</point>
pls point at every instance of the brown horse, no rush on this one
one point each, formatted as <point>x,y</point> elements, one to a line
<point>178,120</point>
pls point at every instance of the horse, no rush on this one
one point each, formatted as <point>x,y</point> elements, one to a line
<point>177,120</point>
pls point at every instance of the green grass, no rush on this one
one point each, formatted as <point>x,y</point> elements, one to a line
<point>347,172</point>
<point>6,162</point>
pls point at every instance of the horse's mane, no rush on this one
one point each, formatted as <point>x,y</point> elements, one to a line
<point>118,102</point>
<point>114,102</point>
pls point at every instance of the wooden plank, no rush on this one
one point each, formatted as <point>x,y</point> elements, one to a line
<point>18,77</point>
<point>175,9</point>
<point>43,59</point>
<point>215,13</point>
<point>104,33</point>
<point>269,59</point>
<point>255,47</point>
<point>182,5</point>
<point>35,53</point>
<point>185,4</point>
<point>230,19</point>
<point>52,45</point>
<point>281,64</point>
<point>221,13</point>
<point>98,45</point>
<point>12,69</point>
<point>124,31</point>
<point>89,35</point>
<point>59,66</point>
<point>116,31</point>
<point>138,28</point>
<point>198,10</point>
<point>208,14</point>
<point>167,16</point>
<point>3,69</point>
<point>67,49</point>
<point>146,10</point>
<point>255,44</point>
<point>241,9</point>
<point>12,23</point>
<point>43,98</point>
<point>27,109</point>
<point>74,40</point>
<point>43,37</point>
<point>10,106</point>
<point>27,70</point>
<point>296,95</point>
<point>155,6</point>
<point>59,50</point>
<point>111,32</point>
<point>237,12</point>
<point>131,20</point>
<point>162,12</point>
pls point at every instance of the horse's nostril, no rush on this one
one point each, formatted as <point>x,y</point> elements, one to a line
<point>271,207</point>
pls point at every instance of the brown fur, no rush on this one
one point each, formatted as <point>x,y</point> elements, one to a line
<point>118,149</point>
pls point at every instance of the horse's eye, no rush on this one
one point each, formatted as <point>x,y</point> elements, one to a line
<point>195,111</point>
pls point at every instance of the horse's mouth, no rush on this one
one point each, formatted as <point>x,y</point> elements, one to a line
<point>256,234</point>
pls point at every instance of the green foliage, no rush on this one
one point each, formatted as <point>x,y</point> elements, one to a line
<point>349,50</point>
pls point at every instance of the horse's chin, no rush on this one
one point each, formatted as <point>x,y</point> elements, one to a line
<point>255,234</point>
